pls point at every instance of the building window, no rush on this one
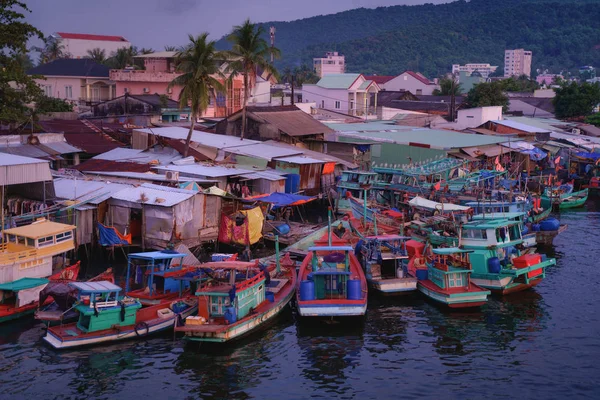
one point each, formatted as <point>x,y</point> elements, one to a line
<point>337,104</point>
<point>48,90</point>
<point>170,90</point>
<point>419,91</point>
<point>69,92</point>
<point>146,90</point>
<point>322,103</point>
<point>125,90</point>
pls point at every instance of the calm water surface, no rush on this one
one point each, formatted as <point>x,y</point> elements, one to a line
<point>543,343</point>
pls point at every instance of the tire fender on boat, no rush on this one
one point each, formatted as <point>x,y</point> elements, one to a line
<point>141,329</point>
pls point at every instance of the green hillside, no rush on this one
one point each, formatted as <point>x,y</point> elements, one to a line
<point>430,38</point>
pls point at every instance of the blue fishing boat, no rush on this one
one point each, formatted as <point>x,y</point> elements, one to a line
<point>355,183</point>
<point>384,260</point>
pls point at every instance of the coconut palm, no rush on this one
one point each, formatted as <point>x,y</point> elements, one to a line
<point>123,57</point>
<point>145,50</point>
<point>170,48</point>
<point>198,63</point>
<point>97,54</point>
<point>249,52</point>
<point>51,51</point>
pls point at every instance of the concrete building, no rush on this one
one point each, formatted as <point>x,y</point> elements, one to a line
<point>414,82</point>
<point>517,62</point>
<point>332,63</point>
<point>484,69</point>
<point>473,117</point>
<point>547,79</point>
<point>80,81</point>
<point>78,44</point>
<point>345,93</point>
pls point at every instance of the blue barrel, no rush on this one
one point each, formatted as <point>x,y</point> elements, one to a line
<point>535,227</point>
<point>544,257</point>
<point>494,265</point>
<point>550,224</point>
<point>270,296</point>
<point>422,274</point>
<point>230,315</point>
<point>525,230</point>
<point>354,289</point>
<point>282,229</point>
<point>292,183</point>
<point>307,290</point>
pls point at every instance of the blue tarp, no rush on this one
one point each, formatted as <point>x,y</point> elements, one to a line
<point>593,156</point>
<point>109,237</point>
<point>535,154</point>
<point>284,199</point>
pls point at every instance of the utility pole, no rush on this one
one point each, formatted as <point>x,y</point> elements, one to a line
<point>452,98</point>
<point>293,79</point>
<point>272,35</point>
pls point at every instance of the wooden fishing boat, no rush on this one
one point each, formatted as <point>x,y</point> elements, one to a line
<point>576,199</point>
<point>331,283</point>
<point>499,263</point>
<point>26,261</point>
<point>384,260</point>
<point>563,197</point>
<point>444,277</point>
<point>105,316</point>
<point>155,276</point>
<point>240,298</point>
<point>357,183</point>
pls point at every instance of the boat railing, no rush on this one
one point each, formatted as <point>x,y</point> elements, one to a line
<point>7,257</point>
<point>105,304</point>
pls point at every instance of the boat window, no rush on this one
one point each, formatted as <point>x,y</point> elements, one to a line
<point>30,242</point>
<point>476,234</point>
<point>20,240</point>
<point>11,238</point>
<point>455,280</point>
<point>61,237</point>
<point>515,232</point>
<point>48,240</point>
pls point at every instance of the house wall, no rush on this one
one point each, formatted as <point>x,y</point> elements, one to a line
<point>57,86</point>
<point>326,98</point>
<point>261,92</point>
<point>473,117</point>
<point>78,48</point>
<point>407,82</point>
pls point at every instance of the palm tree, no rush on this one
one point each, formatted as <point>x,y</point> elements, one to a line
<point>170,48</point>
<point>123,57</point>
<point>51,51</point>
<point>144,50</point>
<point>249,52</point>
<point>449,86</point>
<point>198,63</point>
<point>97,54</point>
<point>24,61</point>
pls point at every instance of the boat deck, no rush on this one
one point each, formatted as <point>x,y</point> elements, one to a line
<point>472,288</point>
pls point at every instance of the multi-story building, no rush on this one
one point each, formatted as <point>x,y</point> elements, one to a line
<point>332,63</point>
<point>484,70</point>
<point>77,45</point>
<point>159,72</point>
<point>517,62</point>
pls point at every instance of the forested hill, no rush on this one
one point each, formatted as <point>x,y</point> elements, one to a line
<point>430,38</point>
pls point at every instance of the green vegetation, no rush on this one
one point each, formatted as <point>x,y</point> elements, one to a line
<point>249,53</point>
<point>593,119</point>
<point>97,54</point>
<point>448,87</point>
<point>430,38</point>
<point>520,84</point>
<point>17,89</point>
<point>576,100</point>
<point>198,62</point>
<point>487,94</point>
<point>45,104</point>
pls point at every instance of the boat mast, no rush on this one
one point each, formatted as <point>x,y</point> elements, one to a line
<point>329,226</point>
<point>278,268</point>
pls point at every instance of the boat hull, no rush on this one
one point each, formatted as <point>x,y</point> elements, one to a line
<point>318,309</point>
<point>468,299</point>
<point>395,286</point>
<point>518,280</point>
<point>16,313</point>
<point>67,340</point>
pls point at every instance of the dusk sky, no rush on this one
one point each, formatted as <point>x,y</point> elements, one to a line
<point>156,23</point>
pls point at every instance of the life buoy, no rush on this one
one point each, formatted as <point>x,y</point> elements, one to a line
<point>142,329</point>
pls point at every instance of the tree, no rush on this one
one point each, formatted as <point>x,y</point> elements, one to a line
<point>170,48</point>
<point>487,94</point>
<point>97,54</point>
<point>448,87</point>
<point>123,57</point>
<point>576,100</point>
<point>51,51</point>
<point>17,89</point>
<point>249,52</point>
<point>593,119</point>
<point>200,79</point>
<point>145,50</point>
<point>520,84</point>
<point>45,104</point>
<point>24,60</point>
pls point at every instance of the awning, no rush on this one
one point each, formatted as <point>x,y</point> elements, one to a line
<point>488,151</point>
<point>282,199</point>
<point>434,205</point>
<point>22,284</point>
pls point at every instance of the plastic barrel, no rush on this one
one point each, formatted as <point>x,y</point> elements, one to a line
<point>230,315</point>
<point>282,229</point>
<point>494,265</point>
<point>307,290</point>
<point>525,230</point>
<point>550,224</point>
<point>544,257</point>
<point>270,296</point>
<point>535,227</point>
<point>354,289</point>
<point>422,274</point>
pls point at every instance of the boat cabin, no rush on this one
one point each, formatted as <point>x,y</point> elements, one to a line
<point>330,271</point>
<point>491,233</point>
<point>491,207</point>
<point>21,292</point>
<point>509,216</point>
<point>101,307</point>
<point>155,275</point>
<point>383,256</point>
<point>27,251</point>
<point>449,268</point>
<point>357,184</point>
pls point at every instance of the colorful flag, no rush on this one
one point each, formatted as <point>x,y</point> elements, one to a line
<point>557,160</point>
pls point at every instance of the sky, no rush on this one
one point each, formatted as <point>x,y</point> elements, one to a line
<point>157,23</point>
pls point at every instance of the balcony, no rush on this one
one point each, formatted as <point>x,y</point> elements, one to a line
<point>124,75</point>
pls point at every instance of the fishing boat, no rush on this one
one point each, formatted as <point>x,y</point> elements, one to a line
<point>155,276</point>
<point>563,197</point>
<point>357,183</point>
<point>444,276</point>
<point>384,260</point>
<point>331,283</point>
<point>238,299</point>
<point>106,316</point>
<point>26,261</point>
<point>576,199</point>
<point>498,259</point>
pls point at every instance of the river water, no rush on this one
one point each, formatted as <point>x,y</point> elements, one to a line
<point>544,343</point>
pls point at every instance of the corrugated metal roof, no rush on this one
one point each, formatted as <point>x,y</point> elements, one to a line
<point>15,170</point>
<point>521,127</point>
<point>211,171</point>
<point>203,138</point>
<point>488,151</point>
<point>268,175</point>
<point>365,85</point>
<point>337,81</point>
<point>264,151</point>
<point>549,124</point>
<point>62,147</point>
<point>588,142</point>
<point>86,191</point>
<point>301,160</point>
<point>117,154</point>
<point>519,145</point>
<point>154,195</point>
<point>159,155</point>
<point>27,150</point>
<point>316,154</point>
<point>289,120</point>
<point>145,176</point>
<point>106,165</point>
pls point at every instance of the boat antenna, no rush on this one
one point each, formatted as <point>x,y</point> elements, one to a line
<point>277,264</point>
<point>329,226</point>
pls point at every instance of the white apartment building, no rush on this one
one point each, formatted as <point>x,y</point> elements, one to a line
<point>484,69</point>
<point>517,62</point>
<point>78,44</point>
<point>332,63</point>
